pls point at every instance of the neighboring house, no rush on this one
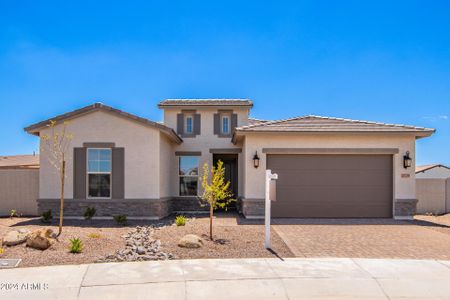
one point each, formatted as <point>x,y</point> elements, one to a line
<point>433,189</point>
<point>328,167</point>
<point>433,171</point>
<point>19,162</point>
<point>19,184</point>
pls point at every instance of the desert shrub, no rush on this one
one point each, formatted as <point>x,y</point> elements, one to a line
<point>180,220</point>
<point>94,235</point>
<point>89,213</point>
<point>2,250</point>
<point>13,213</point>
<point>47,216</point>
<point>121,219</point>
<point>76,245</point>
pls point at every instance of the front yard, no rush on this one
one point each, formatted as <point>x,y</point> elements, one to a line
<point>231,240</point>
<point>427,237</point>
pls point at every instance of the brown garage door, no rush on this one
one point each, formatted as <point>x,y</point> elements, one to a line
<point>332,186</point>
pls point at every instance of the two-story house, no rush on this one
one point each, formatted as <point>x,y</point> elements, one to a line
<point>120,163</point>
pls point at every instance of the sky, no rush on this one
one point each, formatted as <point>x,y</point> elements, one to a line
<point>386,61</point>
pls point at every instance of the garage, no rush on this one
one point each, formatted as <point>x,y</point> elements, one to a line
<point>332,186</point>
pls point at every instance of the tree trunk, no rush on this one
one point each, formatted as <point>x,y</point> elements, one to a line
<point>61,209</point>
<point>210,221</point>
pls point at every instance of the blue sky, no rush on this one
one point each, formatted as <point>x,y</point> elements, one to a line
<point>384,61</point>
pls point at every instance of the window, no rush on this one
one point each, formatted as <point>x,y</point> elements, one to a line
<point>188,173</point>
<point>189,127</point>
<point>99,173</point>
<point>225,124</point>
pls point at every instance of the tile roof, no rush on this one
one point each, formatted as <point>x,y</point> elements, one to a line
<point>327,124</point>
<point>19,162</point>
<point>35,128</point>
<point>424,168</point>
<point>253,121</point>
<point>206,102</point>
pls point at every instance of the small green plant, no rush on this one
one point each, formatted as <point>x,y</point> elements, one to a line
<point>89,213</point>
<point>94,235</point>
<point>76,245</point>
<point>121,219</point>
<point>180,220</point>
<point>13,213</point>
<point>47,216</point>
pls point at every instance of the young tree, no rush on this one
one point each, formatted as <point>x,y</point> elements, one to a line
<point>55,147</point>
<point>215,190</point>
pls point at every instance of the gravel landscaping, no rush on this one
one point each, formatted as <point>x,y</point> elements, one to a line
<point>233,238</point>
<point>104,240</point>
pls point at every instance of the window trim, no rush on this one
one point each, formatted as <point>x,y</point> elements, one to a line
<point>191,176</point>
<point>87,174</point>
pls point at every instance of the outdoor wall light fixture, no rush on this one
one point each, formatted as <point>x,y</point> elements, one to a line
<point>407,161</point>
<point>256,160</point>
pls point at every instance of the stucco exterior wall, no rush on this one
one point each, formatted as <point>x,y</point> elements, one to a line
<point>19,189</point>
<point>447,197</point>
<point>206,140</point>
<point>432,195</point>
<point>142,159</point>
<point>404,186</point>
<point>438,172</point>
<point>168,161</point>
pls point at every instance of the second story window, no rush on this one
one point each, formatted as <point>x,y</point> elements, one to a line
<point>225,124</point>
<point>189,127</point>
<point>188,123</point>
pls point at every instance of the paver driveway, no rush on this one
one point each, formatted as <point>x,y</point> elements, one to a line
<point>373,238</point>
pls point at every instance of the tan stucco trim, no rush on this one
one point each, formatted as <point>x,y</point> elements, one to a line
<point>188,153</point>
<point>330,150</point>
<point>225,150</point>
<point>99,145</point>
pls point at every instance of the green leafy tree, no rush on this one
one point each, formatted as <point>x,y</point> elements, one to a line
<point>216,190</point>
<point>55,146</point>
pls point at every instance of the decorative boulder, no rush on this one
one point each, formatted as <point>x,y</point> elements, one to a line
<point>41,239</point>
<point>190,241</point>
<point>16,237</point>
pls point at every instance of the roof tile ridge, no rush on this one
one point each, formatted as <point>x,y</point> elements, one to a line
<point>272,122</point>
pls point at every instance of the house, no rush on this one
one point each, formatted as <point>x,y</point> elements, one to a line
<point>29,161</point>
<point>19,184</point>
<point>328,167</point>
<point>433,189</point>
<point>432,171</point>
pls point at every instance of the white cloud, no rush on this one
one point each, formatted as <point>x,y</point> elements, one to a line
<point>436,118</point>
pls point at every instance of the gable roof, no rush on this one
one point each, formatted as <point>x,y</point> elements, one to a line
<point>19,162</point>
<point>206,102</point>
<point>420,169</point>
<point>312,123</point>
<point>37,127</point>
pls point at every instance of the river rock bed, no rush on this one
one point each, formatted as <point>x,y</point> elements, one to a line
<point>140,246</point>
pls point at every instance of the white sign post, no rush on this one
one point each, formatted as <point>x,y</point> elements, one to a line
<point>269,177</point>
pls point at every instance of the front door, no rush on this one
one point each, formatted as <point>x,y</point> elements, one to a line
<point>230,164</point>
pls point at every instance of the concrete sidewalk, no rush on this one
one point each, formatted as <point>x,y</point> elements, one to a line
<point>296,278</point>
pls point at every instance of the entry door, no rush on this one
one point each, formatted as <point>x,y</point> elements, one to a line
<point>231,169</point>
